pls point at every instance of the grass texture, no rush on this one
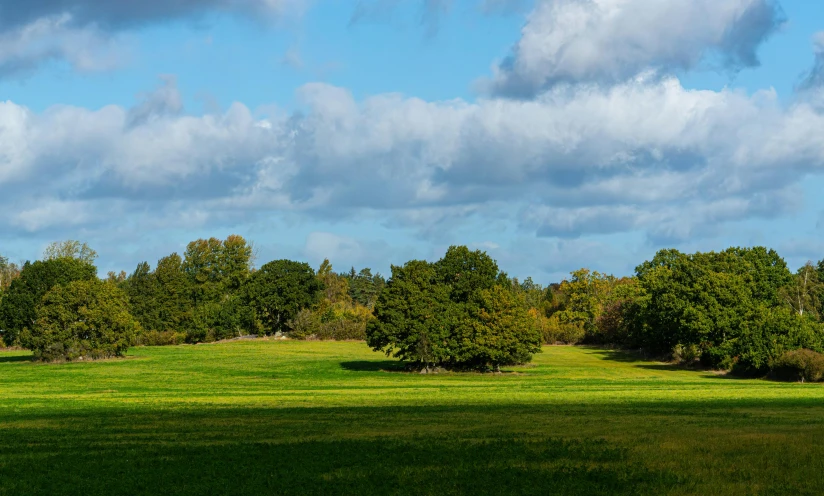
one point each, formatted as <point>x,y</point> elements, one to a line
<point>290,417</point>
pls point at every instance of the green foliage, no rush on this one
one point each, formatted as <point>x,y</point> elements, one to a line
<point>18,308</point>
<point>216,268</point>
<point>453,313</point>
<point>336,316</point>
<point>174,306</point>
<point>336,321</point>
<point>226,319</point>
<point>414,316</point>
<point>799,365</point>
<point>729,305</point>
<point>279,290</point>
<point>555,331</point>
<point>159,338</point>
<point>142,289</point>
<point>83,319</point>
<point>497,331</point>
<point>364,287</point>
<point>466,272</point>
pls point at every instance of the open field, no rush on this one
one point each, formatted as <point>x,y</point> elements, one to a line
<point>287,417</point>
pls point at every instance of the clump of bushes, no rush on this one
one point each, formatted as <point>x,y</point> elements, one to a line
<point>555,331</point>
<point>686,354</point>
<point>339,322</point>
<point>160,338</point>
<point>799,365</point>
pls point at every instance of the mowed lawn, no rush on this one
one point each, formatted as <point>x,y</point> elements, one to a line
<point>289,417</point>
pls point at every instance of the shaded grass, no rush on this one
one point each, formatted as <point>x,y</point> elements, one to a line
<point>265,417</point>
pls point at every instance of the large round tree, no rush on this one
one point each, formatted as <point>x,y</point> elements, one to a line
<point>83,319</point>
<point>455,313</point>
<point>18,308</point>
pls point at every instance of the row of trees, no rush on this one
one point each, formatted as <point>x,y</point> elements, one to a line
<point>212,292</point>
<point>740,309</point>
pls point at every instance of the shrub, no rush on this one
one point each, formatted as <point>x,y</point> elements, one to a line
<point>799,365</point>
<point>343,322</point>
<point>84,319</point>
<point>556,331</point>
<point>304,325</point>
<point>339,322</point>
<point>686,354</point>
<point>160,338</point>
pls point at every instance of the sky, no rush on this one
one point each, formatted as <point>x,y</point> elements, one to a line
<point>553,134</point>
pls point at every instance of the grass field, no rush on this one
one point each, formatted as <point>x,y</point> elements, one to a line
<point>287,417</point>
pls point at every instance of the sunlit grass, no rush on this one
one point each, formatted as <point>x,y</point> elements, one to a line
<point>264,417</point>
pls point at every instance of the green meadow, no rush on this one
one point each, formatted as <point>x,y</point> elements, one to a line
<point>292,417</point>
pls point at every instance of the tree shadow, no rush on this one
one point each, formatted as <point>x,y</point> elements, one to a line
<point>373,366</point>
<point>671,367</point>
<point>643,362</point>
<point>625,356</point>
<point>16,358</point>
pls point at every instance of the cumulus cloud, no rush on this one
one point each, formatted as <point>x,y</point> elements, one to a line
<point>610,41</point>
<point>646,155</point>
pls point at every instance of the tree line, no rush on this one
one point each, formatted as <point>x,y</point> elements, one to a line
<point>741,309</point>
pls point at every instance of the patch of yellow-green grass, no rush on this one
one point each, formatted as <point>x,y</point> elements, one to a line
<point>289,417</point>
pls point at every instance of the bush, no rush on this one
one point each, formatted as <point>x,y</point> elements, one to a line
<point>686,354</point>
<point>799,365</point>
<point>160,338</point>
<point>338,322</point>
<point>305,324</point>
<point>555,331</point>
<point>84,319</point>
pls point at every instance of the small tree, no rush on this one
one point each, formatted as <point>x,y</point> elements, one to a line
<point>84,319</point>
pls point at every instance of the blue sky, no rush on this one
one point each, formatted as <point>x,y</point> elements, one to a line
<point>554,134</point>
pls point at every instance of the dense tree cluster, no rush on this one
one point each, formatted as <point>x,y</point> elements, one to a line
<point>740,309</point>
<point>212,292</point>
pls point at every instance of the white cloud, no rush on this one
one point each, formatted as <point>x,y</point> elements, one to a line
<point>646,156</point>
<point>612,40</point>
<point>85,48</point>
